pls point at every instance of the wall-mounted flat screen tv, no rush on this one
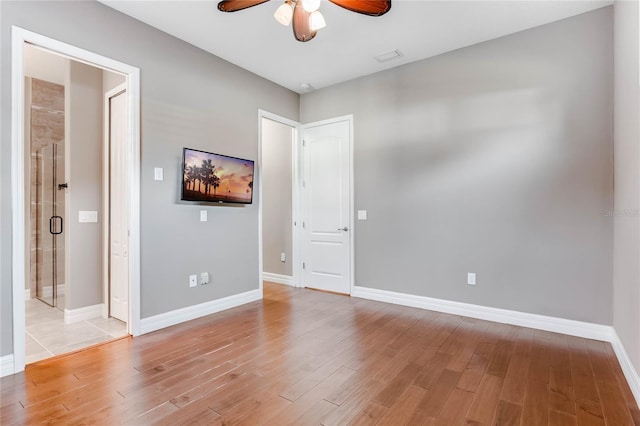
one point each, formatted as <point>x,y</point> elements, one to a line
<point>216,178</point>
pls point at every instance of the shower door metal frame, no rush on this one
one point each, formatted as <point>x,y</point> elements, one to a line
<point>54,230</point>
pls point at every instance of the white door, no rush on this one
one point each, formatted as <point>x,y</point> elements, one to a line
<point>326,198</point>
<point>118,194</point>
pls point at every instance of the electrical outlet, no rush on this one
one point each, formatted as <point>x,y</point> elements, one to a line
<point>471,278</point>
<point>193,280</point>
<point>204,278</point>
<point>283,257</point>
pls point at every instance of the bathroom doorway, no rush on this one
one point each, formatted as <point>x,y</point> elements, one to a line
<point>67,137</point>
<point>80,222</point>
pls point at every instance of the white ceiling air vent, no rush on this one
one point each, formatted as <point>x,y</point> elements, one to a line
<point>389,56</point>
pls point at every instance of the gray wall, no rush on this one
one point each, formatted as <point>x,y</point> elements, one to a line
<point>494,159</point>
<point>189,98</point>
<point>277,165</point>
<point>84,136</point>
<point>626,218</point>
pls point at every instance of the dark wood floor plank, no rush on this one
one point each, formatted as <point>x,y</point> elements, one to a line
<point>404,408</point>
<point>313,402</point>
<point>306,357</point>
<point>352,406</point>
<point>472,375</point>
<point>370,415</point>
<point>275,404</point>
<point>584,384</point>
<point>486,399</point>
<point>469,340</point>
<point>589,414</point>
<point>389,395</point>
<point>535,410</point>
<point>518,370</point>
<point>436,398</point>
<point>508,414</point>
<point>434,368</point>
<point>614,407</point>
<point>455,410</point>
<point>558,418</point>
<point>501,357</point>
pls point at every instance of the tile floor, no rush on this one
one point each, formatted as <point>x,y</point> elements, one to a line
<point>47,334</point>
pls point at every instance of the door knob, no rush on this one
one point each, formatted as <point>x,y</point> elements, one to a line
<point>345,229</point>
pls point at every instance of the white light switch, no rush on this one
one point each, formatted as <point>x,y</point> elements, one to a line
<point>283,257</point>
<point>158,173</point>
<point>203,215</point>
<point>87,216</point>
<point>362,215</point>
<point>471,278</point>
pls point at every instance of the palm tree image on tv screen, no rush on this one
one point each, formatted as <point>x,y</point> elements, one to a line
<point>216,178</point>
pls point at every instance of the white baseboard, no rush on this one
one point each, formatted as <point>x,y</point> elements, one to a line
<point>277,278</point>
<point>630,373</point>
<point>27,294</point>
<point>540,322</point>
<point>6,365</point>
<point>82,314</point>
<point>167,319</point>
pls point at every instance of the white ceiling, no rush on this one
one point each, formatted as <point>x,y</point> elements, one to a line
<point>345,49</point>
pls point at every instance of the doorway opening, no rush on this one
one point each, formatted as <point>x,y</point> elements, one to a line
<point>306,202</point>
<point>63,125</point>
<point>278,199</point>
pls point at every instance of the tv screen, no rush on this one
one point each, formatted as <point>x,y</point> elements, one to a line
<point>216,178</point>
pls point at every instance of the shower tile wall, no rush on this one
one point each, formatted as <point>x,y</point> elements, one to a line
<point>47,127</point>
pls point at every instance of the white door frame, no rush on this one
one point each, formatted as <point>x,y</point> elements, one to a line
<point>295,196</point>
<point>106,197</point>
<point>19,37</point>
<point>352,227</point>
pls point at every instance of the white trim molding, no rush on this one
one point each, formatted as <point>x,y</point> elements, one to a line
<point>84,313</point>
<point>6,365</point>
<point>277,278</point>
<point>177,316</point>
<point>540,322</point>
<point>630,373</point>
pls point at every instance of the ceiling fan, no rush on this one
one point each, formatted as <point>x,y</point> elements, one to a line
<point>304,14</point>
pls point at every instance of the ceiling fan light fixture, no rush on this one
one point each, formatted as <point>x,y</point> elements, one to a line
<point>284,13</point>
<point>316,21</point>
<point>304,16</point>
<point>310,5</point>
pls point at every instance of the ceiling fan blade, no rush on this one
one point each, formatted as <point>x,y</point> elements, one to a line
<point>301,25</point>
<point>235,5</point>
<point>366,7</point>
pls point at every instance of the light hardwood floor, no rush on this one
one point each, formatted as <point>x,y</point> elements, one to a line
<point>304,357</point>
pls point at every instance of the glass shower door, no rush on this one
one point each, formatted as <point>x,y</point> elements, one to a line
<point>50,226</point>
